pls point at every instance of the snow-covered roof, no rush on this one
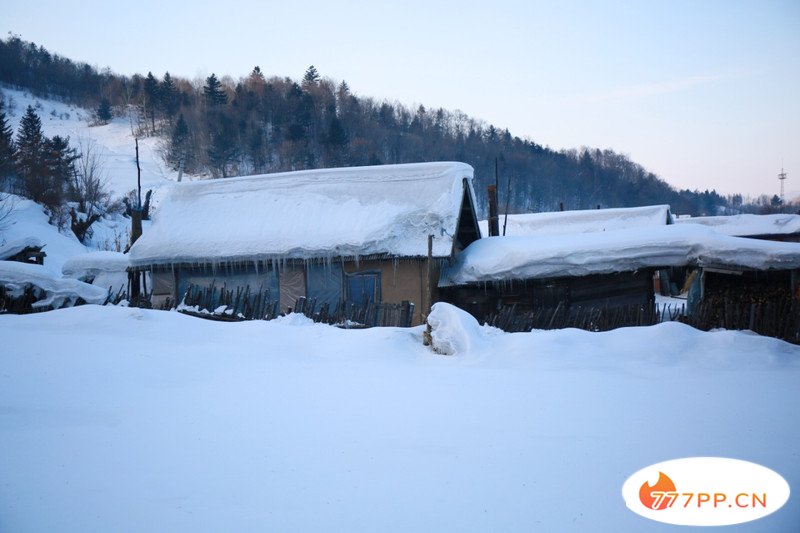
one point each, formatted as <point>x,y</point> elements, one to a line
<point>749,225</point>
<point>582,221</point>
<point>504,258</point>
<point>92,263</point>
<point>12,248</point>
<point>15,277</point>
<point>343,212</point>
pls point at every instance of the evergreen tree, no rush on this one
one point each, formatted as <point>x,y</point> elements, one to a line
<point>179,142</point>
<point>257,74</point>
<point>151,91</point>
<point>169,98</point>
<point>7,149</point>
<point>224,145</point>
<point>311,77</point>
<point>104,111</point>
<point>60,161</point>
<point>30,155</point>
<point>213,92</point>
<point>45,165</point>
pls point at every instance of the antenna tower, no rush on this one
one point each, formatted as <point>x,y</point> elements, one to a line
<point>782,177</point>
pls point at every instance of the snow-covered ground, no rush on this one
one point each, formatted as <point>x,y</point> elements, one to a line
<point>118,419</point>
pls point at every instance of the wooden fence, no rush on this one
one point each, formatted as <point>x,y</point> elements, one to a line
<point>779,318</point>
<point>508,318</point>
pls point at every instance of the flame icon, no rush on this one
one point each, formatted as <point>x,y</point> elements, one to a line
<point>657,502</point>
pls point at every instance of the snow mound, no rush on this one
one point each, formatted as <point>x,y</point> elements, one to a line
<point>53,291</point>
<point>294,319</point>
<point>454,331</point>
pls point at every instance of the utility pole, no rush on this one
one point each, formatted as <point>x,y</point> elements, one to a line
<point>138,176</point>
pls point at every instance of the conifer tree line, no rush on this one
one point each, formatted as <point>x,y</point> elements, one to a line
<point>259,124</point>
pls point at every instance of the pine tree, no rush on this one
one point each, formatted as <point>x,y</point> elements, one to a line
<point>224,145</point>
<point>179,142</point>
<point>169,98</point>
<point>311,77</point>
<point>152,94</point>
<point>30,149</point>
<point>257,74</point>
<point>104,111</point>
<point>45,165</point>
<point>60,160</point>
<point>7,149</point>
<point>213,92</point>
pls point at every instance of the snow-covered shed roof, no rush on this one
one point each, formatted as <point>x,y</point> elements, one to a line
<point>12,248</point>
<point>93,263</point>
<point>344,212</point>
<point>15,277</point>
<point>507,258</point>
<point>582,221</point>
<point>749,225</point>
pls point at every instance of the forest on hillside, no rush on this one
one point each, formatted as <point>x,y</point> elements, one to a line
<point>259,124</point>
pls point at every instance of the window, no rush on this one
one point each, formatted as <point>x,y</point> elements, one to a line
<point>364,287</point>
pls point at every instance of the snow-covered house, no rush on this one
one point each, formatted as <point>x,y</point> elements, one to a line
<point>582,221</point>
<point>25,250</point>
<point>348,234</point>
<point>782,227</point>
<point>600,270</point>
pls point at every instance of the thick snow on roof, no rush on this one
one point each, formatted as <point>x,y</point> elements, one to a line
<point>93,263</point>
<point>15,277</point>
<point>748,225</point>
<point>503,258</point>
<point>358,211</point>
<point>16,246</point>
<point>583,221</point>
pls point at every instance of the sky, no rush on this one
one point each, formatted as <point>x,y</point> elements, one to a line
<point>703,93</point>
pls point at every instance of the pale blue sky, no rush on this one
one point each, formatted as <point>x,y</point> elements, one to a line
<point>703,93</point>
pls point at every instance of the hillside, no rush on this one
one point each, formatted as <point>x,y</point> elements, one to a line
<point>260,124</point>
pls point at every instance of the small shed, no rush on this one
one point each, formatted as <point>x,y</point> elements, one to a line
<point>338,237</point>
<point>27,250</point>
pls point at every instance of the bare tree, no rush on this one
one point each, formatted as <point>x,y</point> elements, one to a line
<point>7,204</point>
<point>91,191</point>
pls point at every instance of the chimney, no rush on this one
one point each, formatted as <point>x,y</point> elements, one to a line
<point>494,218</point>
